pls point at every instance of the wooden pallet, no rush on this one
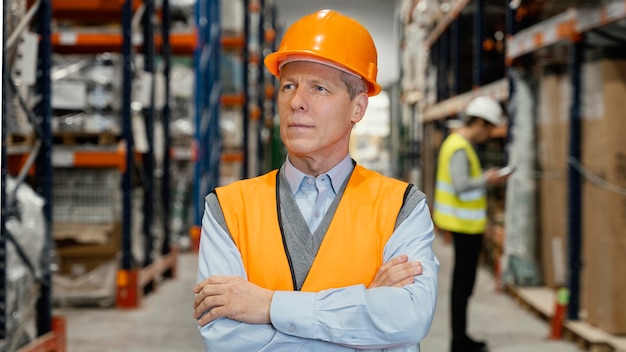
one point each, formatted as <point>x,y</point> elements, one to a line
<point>540,302</point>
<point>82,138</point>
<point>19,140</point>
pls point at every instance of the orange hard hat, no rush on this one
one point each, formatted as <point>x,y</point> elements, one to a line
<point>331,38</point>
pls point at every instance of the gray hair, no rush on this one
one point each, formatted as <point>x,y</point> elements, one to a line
<point>356,85</point>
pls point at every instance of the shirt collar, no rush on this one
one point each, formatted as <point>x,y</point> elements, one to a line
<point>337,174</point>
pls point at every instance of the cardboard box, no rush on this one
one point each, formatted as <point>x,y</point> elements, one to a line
<point>604,208</point>
<point>82,247</point>
<point>552,152</point>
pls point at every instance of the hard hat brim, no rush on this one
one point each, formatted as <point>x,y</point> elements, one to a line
<point>276,60</point>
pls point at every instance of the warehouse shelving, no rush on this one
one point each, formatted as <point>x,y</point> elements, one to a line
<point>449,107</point>
<point>210,156</point>
<point>207,144</point>
<point>50,331</point>
<point>569,26</point>
<point>445,37</point>
<point>274,154</point>
<point>134,279</point>
<point>562,35</point>
<point>449,18</point>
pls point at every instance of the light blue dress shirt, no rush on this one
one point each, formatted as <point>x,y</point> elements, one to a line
<point>342,319</point>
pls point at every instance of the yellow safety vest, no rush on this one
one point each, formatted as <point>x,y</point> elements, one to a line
<point>465,212</point>
<point>352,249</point>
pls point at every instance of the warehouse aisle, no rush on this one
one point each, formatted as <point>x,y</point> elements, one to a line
<point>164,323</point>
<point>493,316</point>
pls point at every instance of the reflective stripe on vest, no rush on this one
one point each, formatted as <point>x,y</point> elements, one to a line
<point>465,212</point>
<point>352,249</point>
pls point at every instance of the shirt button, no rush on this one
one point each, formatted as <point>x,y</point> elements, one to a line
<point>317,214</point>
<point>292,328</point>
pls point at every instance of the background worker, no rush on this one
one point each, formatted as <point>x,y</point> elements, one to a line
<point>460,207</point>
<point>322,254</point>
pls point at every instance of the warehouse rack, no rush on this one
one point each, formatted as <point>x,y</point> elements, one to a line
<point>207,148</point>
<point>123,157</point>
<point>258,103</point>
<point>275,156</point>
<point>570,26</point>
<point>255,101</point>
<point>133,279</point>
<point>49,330</point>
<point>565,32</point>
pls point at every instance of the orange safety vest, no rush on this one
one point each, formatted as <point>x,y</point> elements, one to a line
<point>352,249</point>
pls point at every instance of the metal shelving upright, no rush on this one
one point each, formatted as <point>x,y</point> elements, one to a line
<point>207,136</point>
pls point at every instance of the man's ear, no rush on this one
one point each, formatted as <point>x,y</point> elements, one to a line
<point>359,106</point>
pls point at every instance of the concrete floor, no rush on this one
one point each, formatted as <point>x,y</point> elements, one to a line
<point>164,323</point>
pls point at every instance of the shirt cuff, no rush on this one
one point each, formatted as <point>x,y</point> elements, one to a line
<point>291,313</point>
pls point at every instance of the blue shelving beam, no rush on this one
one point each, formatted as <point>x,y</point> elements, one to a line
<point>127,134</point>
<point>165,120</point>
<point>43,164</point>
<point>574,201</point>
<point>207,135</point>
<point>149,111</point>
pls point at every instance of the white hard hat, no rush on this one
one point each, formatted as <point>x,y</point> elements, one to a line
<point>487,108</point>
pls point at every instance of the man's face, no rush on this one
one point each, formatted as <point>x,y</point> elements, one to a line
<point>316,113</point>
<point>485,131</point>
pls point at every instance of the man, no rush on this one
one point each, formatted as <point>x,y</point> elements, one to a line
<point>322,254</point>
<point>460,207</point>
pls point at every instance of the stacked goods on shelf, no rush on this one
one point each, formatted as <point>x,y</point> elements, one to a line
<point>86,200</point>
<point>553,130</point>
<point>109,145</point>
<point>232,90</point>
<point>23,261</point>
<point>24,251</point>
<point>603,194</point>
<point>87,234</point>
<point>85,92</point>
<point>182,134</point>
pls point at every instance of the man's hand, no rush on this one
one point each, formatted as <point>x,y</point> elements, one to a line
<point>231,297</point>
<point>493,177</point>
<point>397,272</point>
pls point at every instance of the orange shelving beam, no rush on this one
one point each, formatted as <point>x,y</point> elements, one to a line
<point>81,43</point>
<point>233,42</point>
<point>84,42</point>
<point>54,341</point>
<point>83,10</point>
<point>99,159</point>
<point>232,100</point>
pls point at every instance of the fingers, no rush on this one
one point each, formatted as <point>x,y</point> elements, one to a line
<point>233,298</point>
<point>211,315</point>
<point>397,260</point>
<point>205,300</point>
<point>210,303</point>
<point>208,292</point>
<point>397,272</point>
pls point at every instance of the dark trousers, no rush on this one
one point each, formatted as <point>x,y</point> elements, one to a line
<point>466,252</point>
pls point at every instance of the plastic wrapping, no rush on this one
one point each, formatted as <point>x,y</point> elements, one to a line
<point>95,287</point>
<point>84,93</point>
<point>27,228</point>
<point>521,265</point>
